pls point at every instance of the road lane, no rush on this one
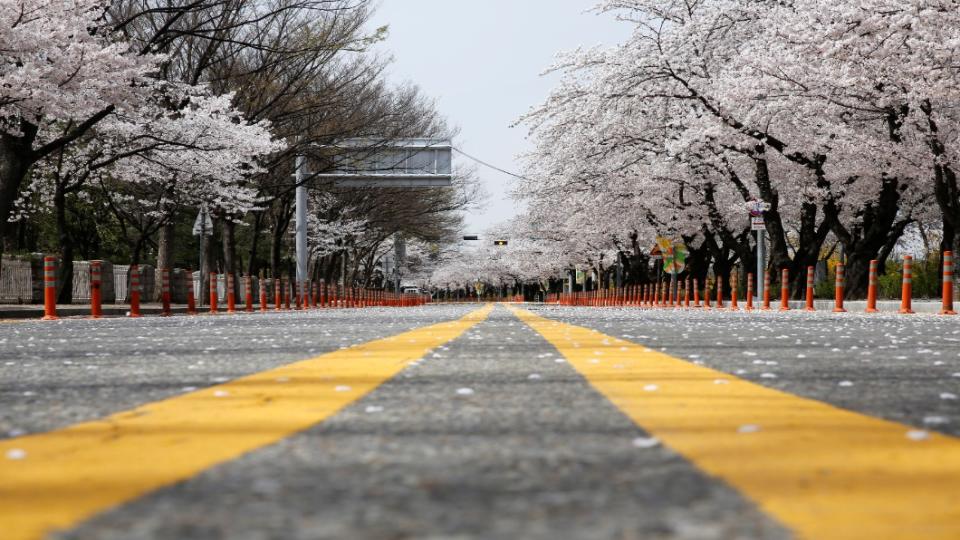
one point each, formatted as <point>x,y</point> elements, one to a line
<point>901,368</point>
<point>530,451</point>
<point>493,434</point>
<point>52,480</point>
<point>54,374</point>
<point>824,471</point>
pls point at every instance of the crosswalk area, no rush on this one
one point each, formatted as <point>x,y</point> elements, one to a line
<point>492,421</point>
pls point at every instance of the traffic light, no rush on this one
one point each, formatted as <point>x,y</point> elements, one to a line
<point>499,242</point>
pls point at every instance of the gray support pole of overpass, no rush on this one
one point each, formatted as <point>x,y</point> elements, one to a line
<point>301,224</point>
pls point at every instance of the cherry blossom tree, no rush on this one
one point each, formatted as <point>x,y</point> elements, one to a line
<point>833,112</point>
<point>62,71</point>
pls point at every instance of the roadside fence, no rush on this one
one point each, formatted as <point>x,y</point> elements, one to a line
<point>667,295</point>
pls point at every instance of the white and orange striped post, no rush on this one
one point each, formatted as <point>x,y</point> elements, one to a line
<point>165,292</point>
<point>719,282</point>
<point>231,294</point>
<point>96,298</point>
<point>191,301</point>
<point>50,288</point>
<point>286,293</point>
<point>947,308</point>
<point>277,294</point>
<point>687,285</point>
<point>810,272</point>
<point>839,287</point>
<point>785,289</point>
<point>872,288</point>
<point>734,291</point>
<point>214,300</point>
<point>706,293</point>
<point>749,292</point>
<point>248,292</point>
<point>134,291</point>
<point>766,290</point>
<point>264,301</point>
<point>696,293</point>
<point>906,297</point>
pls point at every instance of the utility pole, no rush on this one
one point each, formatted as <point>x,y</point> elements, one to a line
<point>301,217</point>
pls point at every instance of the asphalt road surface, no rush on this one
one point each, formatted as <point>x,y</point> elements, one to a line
<point>470,421</point>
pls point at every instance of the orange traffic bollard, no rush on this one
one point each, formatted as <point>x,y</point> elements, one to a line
<point>734,292</point>
<point>785,290</point>
<point>165,292</point>
<point>947,284</point>
<point>906,298</point>
<point>248,292</point>
<point>191,300</point>
<point>231,293</point>
<point>696,293</point>
<point>50,289</point>
<point>872,288</point>
<point>286,293</point>
<point>264,301</point>
<point>96,278</point>
<point>810,271</point>
<point>766,290</point>
<point>214,300</point>
<point>720,292</point>
<point>706,294</point>
<point>749,292</point>
<point>839,289</point>
<point>686,294</point>
<point>134,291</point>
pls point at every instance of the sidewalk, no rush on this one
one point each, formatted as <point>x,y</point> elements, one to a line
<point>35,311</point>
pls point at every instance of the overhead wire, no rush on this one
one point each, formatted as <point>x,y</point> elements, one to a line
<point>490,166</point>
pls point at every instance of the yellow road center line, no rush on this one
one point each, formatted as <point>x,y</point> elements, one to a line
<point>54,480</point>
<point>823,471</point>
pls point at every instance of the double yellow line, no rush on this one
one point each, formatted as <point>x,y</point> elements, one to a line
<point>53,480</point>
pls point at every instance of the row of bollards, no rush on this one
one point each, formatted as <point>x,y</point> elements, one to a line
<point>661,295</point>
<point>309,295</point>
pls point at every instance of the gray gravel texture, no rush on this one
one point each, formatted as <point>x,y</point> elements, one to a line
<point>57,373</point>
<point>902,368</point>
<point>491,436</point>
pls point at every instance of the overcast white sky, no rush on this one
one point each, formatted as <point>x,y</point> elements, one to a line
<point>481,60</point>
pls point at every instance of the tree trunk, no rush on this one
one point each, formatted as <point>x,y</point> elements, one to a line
<point>229,241</point>
<point>14,165</point>
<point>65,292</point>
<point>252,266</point>
<point>276,246</point>
<point>164,255</point>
